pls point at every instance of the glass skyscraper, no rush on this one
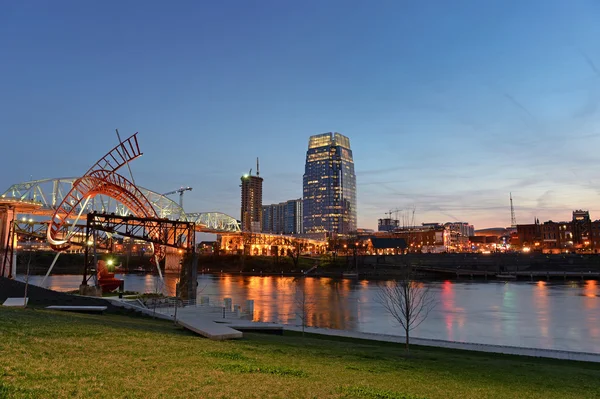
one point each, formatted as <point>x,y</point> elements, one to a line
<point>329,185</point>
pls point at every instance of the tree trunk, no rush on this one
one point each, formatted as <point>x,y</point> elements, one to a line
<point>407,341</point>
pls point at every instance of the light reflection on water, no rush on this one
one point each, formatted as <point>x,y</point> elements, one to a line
<point>540,314</point>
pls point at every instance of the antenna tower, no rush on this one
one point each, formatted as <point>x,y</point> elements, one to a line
<point>513,219</point>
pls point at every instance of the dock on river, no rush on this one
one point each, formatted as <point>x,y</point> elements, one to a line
<point>519,275</point>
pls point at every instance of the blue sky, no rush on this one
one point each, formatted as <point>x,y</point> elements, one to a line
<point>449,105</point>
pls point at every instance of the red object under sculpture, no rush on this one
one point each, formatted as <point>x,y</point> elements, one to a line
<point>106,279</point>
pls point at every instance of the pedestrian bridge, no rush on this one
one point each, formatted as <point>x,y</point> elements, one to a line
<point>49,194</point>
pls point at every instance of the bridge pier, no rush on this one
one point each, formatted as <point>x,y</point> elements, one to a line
<point>10,208</point>
<point>173,261</point>
<point>8,257</point>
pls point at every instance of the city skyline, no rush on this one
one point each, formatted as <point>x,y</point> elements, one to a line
<point>441,119</point>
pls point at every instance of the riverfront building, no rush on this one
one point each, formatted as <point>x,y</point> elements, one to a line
<point>580,234</point>
<point>329,186</point>
<point>251,212</point>
<point>459,233</point>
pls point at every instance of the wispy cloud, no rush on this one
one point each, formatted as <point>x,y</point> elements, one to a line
<point>590,62</point>
<point>528,118</point>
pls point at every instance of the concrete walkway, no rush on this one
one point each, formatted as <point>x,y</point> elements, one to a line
<point>190,318</point>
<point>205,321</point>
<point>508,350</point>
<point>205,326</point>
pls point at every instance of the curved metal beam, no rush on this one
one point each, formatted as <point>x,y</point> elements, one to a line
<point>98,182</point>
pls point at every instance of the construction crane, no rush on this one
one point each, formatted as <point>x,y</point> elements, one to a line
<point>180,191</point>
<point>393,212</point>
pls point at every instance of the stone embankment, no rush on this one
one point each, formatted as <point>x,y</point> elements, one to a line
<point>501,262</point>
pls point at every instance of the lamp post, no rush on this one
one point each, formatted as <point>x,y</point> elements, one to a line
<point>356,257</point>
<point>346,252</point>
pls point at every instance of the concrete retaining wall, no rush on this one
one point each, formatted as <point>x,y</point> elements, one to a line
<point>507,350</point>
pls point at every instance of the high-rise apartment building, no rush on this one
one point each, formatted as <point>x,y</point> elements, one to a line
<point>293,223</point>
<point>273,218</point>
<point>283,218</point>
<point>251,214</point>
<point>329,185</point>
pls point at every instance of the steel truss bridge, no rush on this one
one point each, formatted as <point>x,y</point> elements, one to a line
<point>62,202</point>
<point>50,193</point>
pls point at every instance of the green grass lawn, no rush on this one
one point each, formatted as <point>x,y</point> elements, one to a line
<point>47,354</point>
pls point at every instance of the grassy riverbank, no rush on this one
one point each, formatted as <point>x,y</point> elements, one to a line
<point>46,354</point>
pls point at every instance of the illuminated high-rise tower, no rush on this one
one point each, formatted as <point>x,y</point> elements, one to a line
<point>252,201</point>
<point>329,185</point>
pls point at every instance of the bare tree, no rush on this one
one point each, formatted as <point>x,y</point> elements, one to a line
<point>408,301</point>
<point>302,301</point>
<point>295,251</point>
<point>247,239</point>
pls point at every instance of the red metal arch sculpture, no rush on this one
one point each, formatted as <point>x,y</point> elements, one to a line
<point>102,179</point>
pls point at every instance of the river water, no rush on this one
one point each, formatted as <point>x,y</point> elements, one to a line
<point>563,316</point>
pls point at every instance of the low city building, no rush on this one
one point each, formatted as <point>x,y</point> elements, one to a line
<point>427,238</point>
<point>387,224</point>
<point>387,246</point>
<point>268,244</point>
<point>459,233</point>
<point>207,247</point>
<point>580,234</point>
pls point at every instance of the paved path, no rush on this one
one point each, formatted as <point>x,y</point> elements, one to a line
<point>205,326</point>
<point>509,350</point>
<point>206,321</point>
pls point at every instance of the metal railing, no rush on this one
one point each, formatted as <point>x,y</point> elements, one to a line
<point>218,309</point>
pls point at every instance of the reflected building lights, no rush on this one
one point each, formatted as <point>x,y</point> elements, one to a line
<point>591,291</point>
<point>453,315</point>
<point>508,307</point>
<point>540,302</point>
